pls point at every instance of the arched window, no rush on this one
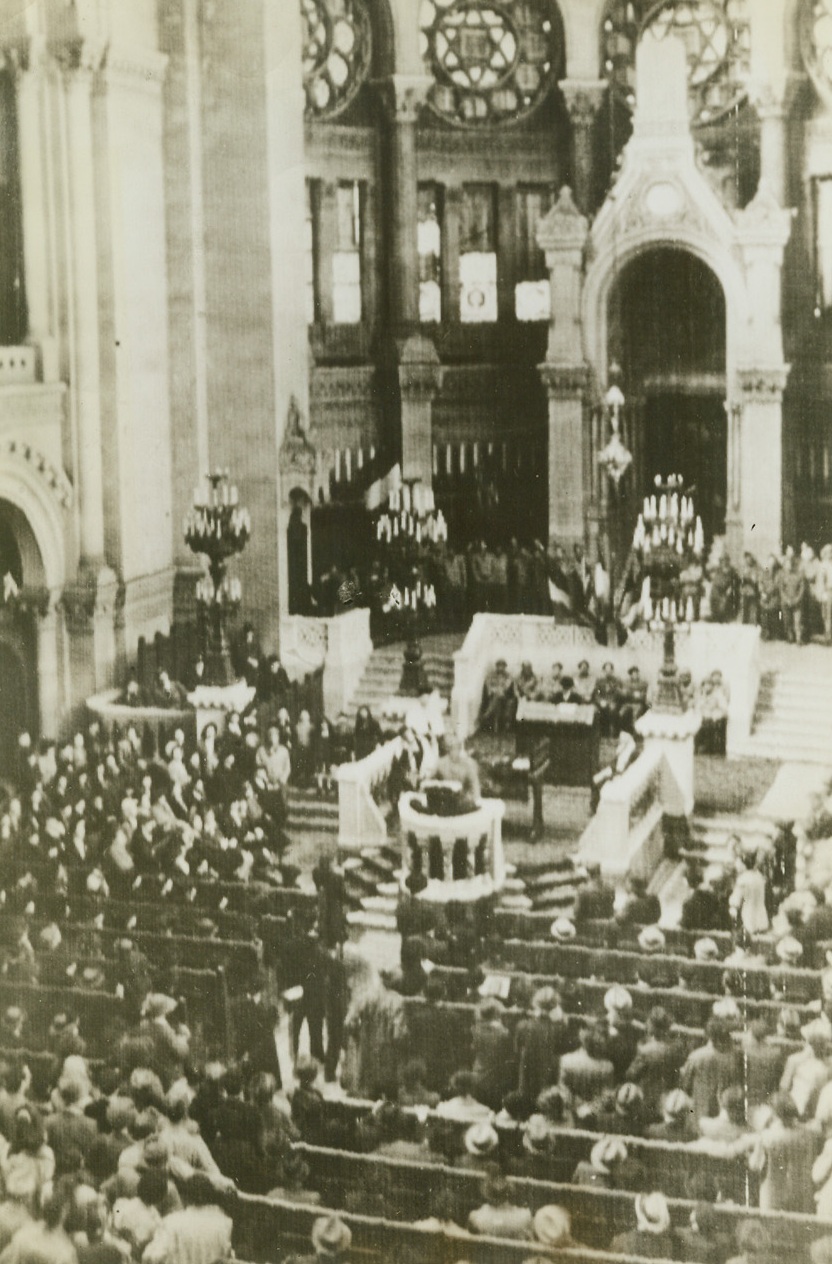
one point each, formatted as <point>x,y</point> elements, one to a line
<point>337,51</point>
<point>817,43</point>
<point>492,62</point>
<point>715,33</point>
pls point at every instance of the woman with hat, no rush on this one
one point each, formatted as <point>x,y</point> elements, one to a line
<point>553,1228</point>
<point>605,1157</point>
<point>678,1122</point>
<point>539,1041</point>
<point>652,1237</point>
<point>481,1143</point>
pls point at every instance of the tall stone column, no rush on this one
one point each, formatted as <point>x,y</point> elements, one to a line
<point>773,100</point>
<point>760,450</point>
<point>30,67</point>
<point>80,64</point>
<point>49,675</point>
<point>763,229</point>
<point>562,236</point>
<point>583,98</point>
<point>420,380</point>
<point>403,97</point>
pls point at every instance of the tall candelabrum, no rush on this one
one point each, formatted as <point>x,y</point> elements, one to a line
<point>408,524</point>
<point>219,529</point>
<point>668,538</point>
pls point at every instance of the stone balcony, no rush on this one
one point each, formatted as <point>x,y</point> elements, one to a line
<point>31,411</point>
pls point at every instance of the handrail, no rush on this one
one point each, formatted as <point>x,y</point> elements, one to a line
<point>361,822</point>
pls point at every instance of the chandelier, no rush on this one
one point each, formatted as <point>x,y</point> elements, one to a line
<point>219,529</point>
<point>668,539</point>
<point>403,532</point>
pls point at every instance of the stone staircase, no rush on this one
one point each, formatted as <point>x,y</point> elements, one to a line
<point>380,680</point>
<point>710,832</point>
<point>793,719</point>
<point>309,812</point>
<point>372,879</point>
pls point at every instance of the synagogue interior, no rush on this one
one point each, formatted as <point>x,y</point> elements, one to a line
<point>415,631</point>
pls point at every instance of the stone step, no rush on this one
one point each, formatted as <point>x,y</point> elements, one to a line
<point>379,904</point>
<point>766,748</point>
<point>371,921</point>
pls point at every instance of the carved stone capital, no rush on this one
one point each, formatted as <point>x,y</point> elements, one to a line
<point>420,370</point>
<point>298,455</point>
<point>403,96</point>
<point>564,227</point>
<point>774,99</point>
<point>36,601</point>
<point>565,381</point>
<point>583,99</point>
<point>93,595</point>
<point>765,385</point>
<point>79,59</point>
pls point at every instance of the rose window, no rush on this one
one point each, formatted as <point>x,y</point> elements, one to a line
<point>337,47</point>
<point>491,62</point>
<point>717,40</point>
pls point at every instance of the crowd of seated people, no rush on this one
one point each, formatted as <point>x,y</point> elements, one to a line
<point>134,1139</point>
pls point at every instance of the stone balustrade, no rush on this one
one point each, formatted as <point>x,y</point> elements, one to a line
<point>361,821</point>
<point>731,648</point>
<point>625,834</point>
<point>341,645</point>
<point>460,856</point>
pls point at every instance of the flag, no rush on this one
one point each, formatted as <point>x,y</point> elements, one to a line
<point>558,596</point>
<point>10,588</point>
<point>380,490</point>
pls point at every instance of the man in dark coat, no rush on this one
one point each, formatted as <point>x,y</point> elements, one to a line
<point>706,909</point>
<point>537,1041</point>
<point>595,898</point>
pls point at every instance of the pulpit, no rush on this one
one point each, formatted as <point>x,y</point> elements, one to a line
<point>573,736</point>
<point>461,856</point>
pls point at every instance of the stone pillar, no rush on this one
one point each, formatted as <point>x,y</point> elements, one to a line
<point>773,100</point>
<point>674,736</point>
<point>420,379</point>
<point>33,150</point>
<point>583,98</point>
<point>562,236</point>
<point>79,66</point>
<point>761,458</point>
<point>763,229</point>
<point>49,675</point>
<point>403,97</point>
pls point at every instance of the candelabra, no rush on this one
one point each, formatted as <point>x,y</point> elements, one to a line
<point>410,522</point>
<point>668,538</point>
<point>219,529</point>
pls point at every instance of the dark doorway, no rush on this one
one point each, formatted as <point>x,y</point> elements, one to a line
<point>688,435</point>
<point>667,331</point>
<point>14,710</point>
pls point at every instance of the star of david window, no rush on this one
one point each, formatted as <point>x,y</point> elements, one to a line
<point>717,38</point>
<point>337,48</point>
<point>817,43</point>
<point>492,61</point>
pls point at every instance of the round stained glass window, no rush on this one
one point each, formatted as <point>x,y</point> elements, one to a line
<point>817,43</point>
<point>491,62</point>
<point>717,38</point>
<point>337,48</point>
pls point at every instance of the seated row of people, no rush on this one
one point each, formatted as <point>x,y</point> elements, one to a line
<point>620,703</point>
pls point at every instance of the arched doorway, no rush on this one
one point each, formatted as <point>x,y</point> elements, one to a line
<point>20,562</point>
<point>667,330</point>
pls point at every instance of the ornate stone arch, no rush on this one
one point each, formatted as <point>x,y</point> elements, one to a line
<point>42,495</point>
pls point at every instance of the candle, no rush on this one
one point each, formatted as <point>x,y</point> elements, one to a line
<point>348,463</point>
<point>337,465</point>
<point>462,458</point>
<point>475,454</point>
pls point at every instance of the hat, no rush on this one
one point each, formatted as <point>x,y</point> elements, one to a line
<point>652,1213</point>
<point>628,1096</point>
<point>50,936</point>
<point>562,929</point>
<point>552,1225</point>
<point>607,1152</point>
<point>157,1005</point>
<point>330,1236</point>
<point>789,949</point>
<point>13,1015</point>
<point>651,939</point>
<point>481,1139</point>
<point>706,949</point>
<point>536,1134</point>
<point>545,1000</point>
<point>726,1007</point>
<point>677,1103</point>
<point>618,998</point>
